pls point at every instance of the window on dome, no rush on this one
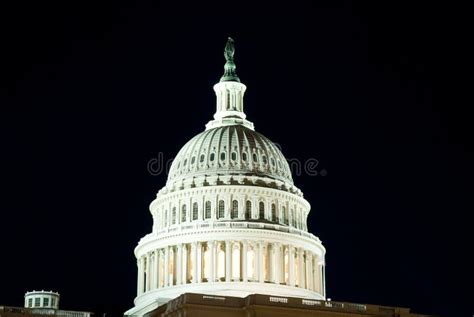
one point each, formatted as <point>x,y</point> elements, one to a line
<point>254,157</point>
<point>37,302</point>
<point>222,156</point>
<point>244,157</point>
<point>30,302</point>
<point>185,162</point>
<point>272,161</point>
<point>201,159</point>
<point>235,209</point>
<point>234,156</point>
<point>195,211</point>
<point>261,210</point>
<point>221,209</point>
<point>53,301</point>
<point>264,159</point>
<point>208,210</point>
<point>173,216</point>
<point>274,216</point>
<point>248,209</point>
<point>183,213</point>
<point>212,157</point>
<point>193,159</point>
<point>45,302</point>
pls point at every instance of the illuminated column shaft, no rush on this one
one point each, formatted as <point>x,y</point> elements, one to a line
<point>157,265</point>
<point>244,260</point>
<point>261,272</point>
<point>147,273</point>
<point>179,264</point>
<point>277,261</point>
<point>300,268</point>
<point>184,267</point>
<point>307,279</point>
<point>139,279</point>
<point>194,255</point>
<point>167,265</point>
<point>199,262</point>
<point>228,261</point>
<point>291,265</point>
<point>211,251</point>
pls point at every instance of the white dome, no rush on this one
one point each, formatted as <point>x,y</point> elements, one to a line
<point>233,150</point>
<point>229,221</point>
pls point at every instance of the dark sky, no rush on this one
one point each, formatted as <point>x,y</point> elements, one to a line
<point>89,94</point>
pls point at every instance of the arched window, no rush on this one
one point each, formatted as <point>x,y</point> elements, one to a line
<point>221,209</point>
<point>261,210</point>
<point>208,210</point>
<point>183,213</point>
<point>235,209</point>
<point>193,160</point>
<point>222,156</point>
<point>234,156</point>
<point>201,159</point>
<point>195,211</point>
<point>248,209</point>
<point>212,157</point>
<point>173,216</point>
<point>274,214</point>
<point>244,157</point>
<point>254,157</point>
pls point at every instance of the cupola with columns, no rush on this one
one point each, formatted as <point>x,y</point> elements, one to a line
<point>229,220</point>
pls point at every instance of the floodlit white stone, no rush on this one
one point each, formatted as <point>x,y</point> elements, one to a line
<point>229,221</point>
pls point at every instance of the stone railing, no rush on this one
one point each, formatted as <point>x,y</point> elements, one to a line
<point>184,227</point>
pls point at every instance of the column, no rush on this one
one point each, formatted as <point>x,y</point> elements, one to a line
<point>307,280</point>
<point>323,278</point>
<point>310,270</point>
<point>167,265</point>
<point>244,260</point>
<point>291,265</point>
<point>157,269</point>
<point>184,266</point>
<point>301,271</point>
<point>140,275</point>
<point>199,262</point>
<point>277,261</point>
<point>261,263</point>
<point>194,255</point>
<point>228,261</point>
<point>147,273</point>
<point>256,272</point>
<point>178,264</point>
<point>211,247</point>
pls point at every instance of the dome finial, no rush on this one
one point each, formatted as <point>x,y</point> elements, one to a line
<point>229,67</point>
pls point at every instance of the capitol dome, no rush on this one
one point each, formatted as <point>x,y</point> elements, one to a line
<point>231,150</point>
<point>229,220</point>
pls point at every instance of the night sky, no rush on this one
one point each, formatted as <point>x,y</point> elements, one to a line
<point>89,94</point>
